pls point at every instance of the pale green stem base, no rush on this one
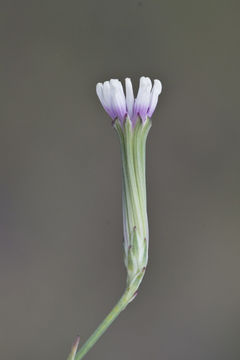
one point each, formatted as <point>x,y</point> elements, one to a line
<point>119,307</point>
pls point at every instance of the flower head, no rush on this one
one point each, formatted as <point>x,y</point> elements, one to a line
<point>120,105</point>
<point>132,122</point>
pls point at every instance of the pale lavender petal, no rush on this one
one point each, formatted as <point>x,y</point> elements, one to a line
<point>129,97</point>
<point>104,102</point>
<point>107,94</point>
<point>143,98</point>
<point>156,91</point>
<point>99,91</point>
<point>118,99</point>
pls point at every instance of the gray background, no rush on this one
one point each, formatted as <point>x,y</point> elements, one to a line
<point>61,266</point>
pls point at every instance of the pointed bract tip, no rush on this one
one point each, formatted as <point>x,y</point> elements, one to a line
<point>74,349</point>
<point>133,297</point>
<point>76,343</point>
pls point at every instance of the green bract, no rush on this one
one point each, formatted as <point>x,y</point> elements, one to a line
<point>135,221</point>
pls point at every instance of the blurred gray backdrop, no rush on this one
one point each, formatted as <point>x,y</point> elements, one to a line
<point>61,264</point>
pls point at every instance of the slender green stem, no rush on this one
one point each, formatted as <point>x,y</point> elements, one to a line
<point>120,306</point>
<point>133,141</point>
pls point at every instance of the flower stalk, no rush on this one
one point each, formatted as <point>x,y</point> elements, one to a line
<point>131,120</point>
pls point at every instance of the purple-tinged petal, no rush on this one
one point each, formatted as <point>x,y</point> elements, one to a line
<point>99,90</point>
<point>107,94</point>
<point>143,98</point>
<point>104,95</point>
<point>118,99</point>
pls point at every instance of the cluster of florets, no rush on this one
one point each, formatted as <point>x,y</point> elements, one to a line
<point>120,105</point>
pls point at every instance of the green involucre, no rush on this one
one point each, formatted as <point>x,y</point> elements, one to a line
<point>135,221</point>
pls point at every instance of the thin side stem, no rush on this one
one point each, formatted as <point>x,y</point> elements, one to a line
<point>118,308</point>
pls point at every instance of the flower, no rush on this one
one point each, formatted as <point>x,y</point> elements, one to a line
<point>131,119</point>
<point>118,105</point>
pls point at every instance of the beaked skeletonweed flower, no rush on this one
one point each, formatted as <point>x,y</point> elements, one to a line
<point>131,119</point>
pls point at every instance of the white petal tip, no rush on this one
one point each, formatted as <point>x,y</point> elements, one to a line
<point>158,86</point>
